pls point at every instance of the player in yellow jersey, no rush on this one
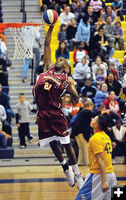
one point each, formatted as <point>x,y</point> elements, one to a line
<point>98,182</point>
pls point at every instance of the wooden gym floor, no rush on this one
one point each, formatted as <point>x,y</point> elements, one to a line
<point>42,182</point>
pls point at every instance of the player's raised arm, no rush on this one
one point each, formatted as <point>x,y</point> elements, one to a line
<point>47,49</point>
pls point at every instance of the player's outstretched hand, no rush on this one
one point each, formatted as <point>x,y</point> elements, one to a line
<point>105,186</point>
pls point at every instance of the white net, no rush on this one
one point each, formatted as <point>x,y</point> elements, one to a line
<point>24,38</point>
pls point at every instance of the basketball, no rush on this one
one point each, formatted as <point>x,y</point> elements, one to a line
<point>50,17</point>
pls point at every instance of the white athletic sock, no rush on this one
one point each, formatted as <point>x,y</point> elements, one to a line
<point>76,169</point>
<point>63,162</point>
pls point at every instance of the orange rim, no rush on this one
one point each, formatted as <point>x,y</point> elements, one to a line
<point>15,25</point>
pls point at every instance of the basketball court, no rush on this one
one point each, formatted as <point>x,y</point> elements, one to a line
<point>43,182</point>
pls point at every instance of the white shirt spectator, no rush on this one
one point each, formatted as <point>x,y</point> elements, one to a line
<point>66,16</point>
<point>96,67</point>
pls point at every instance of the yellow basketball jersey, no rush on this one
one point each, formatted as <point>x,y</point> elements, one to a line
<point>100,142</point>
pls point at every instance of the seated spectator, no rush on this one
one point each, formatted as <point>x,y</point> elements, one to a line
<point>67,103</point>
<point>99,45</point>
<point>62,4</point>
<point>49,4</point>
<point>76,8</point>
<point>109,12</point>
<point>121,70</point>
<point>109,32</point>
<point>71,31</point>
<point>62,34</point>
<point>69,75</point>
<point>113,85</point>
<point>111,103</point>
<point>83,31</point>
<point>62,50</point>
<point>98,65</point>
<point>81,72</point>
<point>119,41</point>
<point>100,77</point>
<point>4,101</point>
<point>98,7</point>
<point>3,72</point>
<point>117,6</point>
<point>111,69</point>
<point>118,137</point>
<point>79,53</point>
<point>66,16</point>
<point>101,95</point>
<point>89,89</point>
<point>84,99</point>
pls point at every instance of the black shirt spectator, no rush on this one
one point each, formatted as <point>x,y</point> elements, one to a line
<point>113,85</point>
<point>89,89</point>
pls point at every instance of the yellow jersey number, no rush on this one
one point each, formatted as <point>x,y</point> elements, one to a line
<point>47,86</point>
<point>108,148</point>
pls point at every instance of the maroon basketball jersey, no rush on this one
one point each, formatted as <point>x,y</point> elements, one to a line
<point>49,89</point>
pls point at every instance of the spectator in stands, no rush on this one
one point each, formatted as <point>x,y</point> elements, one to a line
<point>99,45</point>
<point>70,33</point>
<point>62,50</point>
<point>62,34</point>
<point>118,137</point>
<point>114,85</point>
<point>101,95</point>
<point>4,101</point>
<point>3,72</point>
<point>79,53</point>
<point>121,70</point>
<point>119,41</point>
<point>68,72</point>
<point>112,69</point>
<point>76,8</point>
<point>62,4</point>
<point>109,32</point>
<point>83,31</point>
<point>98,7</point>
<point>100,77</point>
<point>109,12</point>
<point>89,89</point>
<point>81,72</point>
<point>22,119</point>
<point>117,6</point>
<point>91,15</point>
<point>6,127</point>
<point>49,4</point>
<point>66,16</point>
<point>111,103</point>
<point>98,65</point>
<point>84,99</point>
<point>67,103</point>
<point>3,38</point>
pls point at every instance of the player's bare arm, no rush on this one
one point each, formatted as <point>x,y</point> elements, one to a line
<point>101,163</point>
<point>47,49</point>
<point>72,90</point>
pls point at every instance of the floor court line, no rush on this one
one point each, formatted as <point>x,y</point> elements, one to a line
<point>4,181</point>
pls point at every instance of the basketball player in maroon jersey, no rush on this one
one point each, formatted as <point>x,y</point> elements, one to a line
<point>52,125</point>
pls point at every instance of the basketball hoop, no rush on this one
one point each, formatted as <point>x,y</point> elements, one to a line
<point>24,36</point>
